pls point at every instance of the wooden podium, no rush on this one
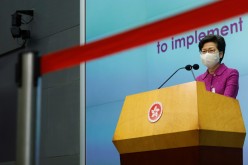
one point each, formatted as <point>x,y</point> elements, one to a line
<point>196,127</point>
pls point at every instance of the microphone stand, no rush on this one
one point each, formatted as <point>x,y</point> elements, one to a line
<point>170,77</point>
<point>195,67</point>
<point>193,74</point>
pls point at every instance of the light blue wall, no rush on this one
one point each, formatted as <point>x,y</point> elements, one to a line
<point>110,79</point>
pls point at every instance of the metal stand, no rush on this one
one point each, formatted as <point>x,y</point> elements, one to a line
<point>27,72</point>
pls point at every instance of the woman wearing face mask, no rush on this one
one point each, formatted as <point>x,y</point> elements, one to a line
<point>218,78</point>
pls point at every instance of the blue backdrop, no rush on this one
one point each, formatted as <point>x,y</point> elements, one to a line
<point>110,79</point>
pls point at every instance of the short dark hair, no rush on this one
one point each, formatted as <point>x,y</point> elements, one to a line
<point>219,40</point>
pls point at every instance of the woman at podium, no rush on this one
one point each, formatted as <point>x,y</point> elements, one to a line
<point>218,78</point>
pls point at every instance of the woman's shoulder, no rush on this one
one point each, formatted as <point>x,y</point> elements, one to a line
<point>232,71</point>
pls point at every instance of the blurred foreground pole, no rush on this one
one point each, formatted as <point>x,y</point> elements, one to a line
<point>27,72</point>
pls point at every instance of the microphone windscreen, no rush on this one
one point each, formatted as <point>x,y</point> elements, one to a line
<point>196,66</point>
<point>188,67</point>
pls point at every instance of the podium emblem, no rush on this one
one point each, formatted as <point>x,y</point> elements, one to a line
<point>155,112</point>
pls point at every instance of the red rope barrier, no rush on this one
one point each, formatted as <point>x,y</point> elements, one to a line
<point>164,28</point>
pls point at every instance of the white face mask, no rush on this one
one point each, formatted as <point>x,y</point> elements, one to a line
<point>210,59</point>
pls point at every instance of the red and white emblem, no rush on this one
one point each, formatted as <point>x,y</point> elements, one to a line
<point>155,112</point>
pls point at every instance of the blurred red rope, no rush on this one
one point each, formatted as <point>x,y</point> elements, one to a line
<point>164,28</point>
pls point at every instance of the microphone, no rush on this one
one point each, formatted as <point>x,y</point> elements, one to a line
<point>195,67</point>
<point>187,67</point>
